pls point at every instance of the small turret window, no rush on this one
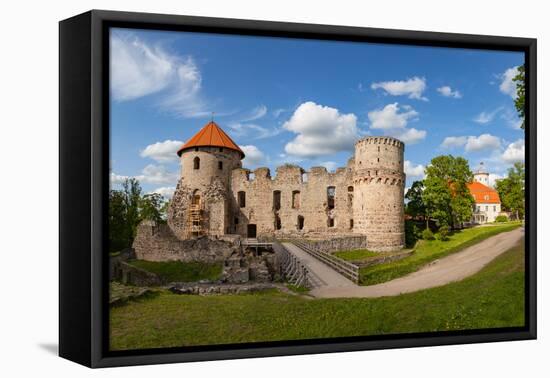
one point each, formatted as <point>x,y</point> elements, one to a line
<point>196,163</point>
<point>242,199</point>
<point>220,164</point>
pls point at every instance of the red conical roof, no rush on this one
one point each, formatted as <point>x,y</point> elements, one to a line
<point>211,135</point>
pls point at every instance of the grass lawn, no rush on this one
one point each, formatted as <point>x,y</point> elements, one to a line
<point>427,251</point>
<point>178,271</point>
<point>494,297</point>
<point>355,255</point>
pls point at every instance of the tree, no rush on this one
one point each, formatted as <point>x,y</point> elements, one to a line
<point>511,190</point>
<point>519,101</point>
<point>152,207</point>
<point>132,198</point>
<point>415,205</point>
<point>446,194</point>
<point>118,235</point>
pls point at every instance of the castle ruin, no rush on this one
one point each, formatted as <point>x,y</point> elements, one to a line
<point>217,197</point>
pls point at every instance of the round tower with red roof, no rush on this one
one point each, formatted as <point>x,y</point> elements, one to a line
<point>201,201</point>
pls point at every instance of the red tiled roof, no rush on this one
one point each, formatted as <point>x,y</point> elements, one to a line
<point>483,193</point>
<point>211,135</point>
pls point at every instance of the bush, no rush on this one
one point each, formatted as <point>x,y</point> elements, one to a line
<point>412,234</point>
<point>501,218</point>
<point>427,234</point>
<point>443,233</point>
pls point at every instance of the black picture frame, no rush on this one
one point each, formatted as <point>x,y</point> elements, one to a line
<point>84,184</point>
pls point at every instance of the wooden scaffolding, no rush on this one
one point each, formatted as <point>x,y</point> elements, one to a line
<point>195,225</point>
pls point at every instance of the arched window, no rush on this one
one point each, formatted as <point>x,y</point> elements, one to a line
<point>296,199</point>
<point>276,200</point>
<point>196,163</point>
<point>241,198</point>
<point>300,224</point>
<point>331,193</point>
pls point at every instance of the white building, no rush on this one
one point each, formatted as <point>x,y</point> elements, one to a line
<point>487,201</point>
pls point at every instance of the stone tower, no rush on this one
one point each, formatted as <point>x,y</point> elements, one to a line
<point>379,180</point>
<point>201,202</point>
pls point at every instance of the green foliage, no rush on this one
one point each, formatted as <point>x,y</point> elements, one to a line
<point>492,298</point>
<point>443,233</point>
<point>446,194</point>
<point>427,251</point>
<point>127,208</point>
<point>178,271</point>
<point>501,218</point>
<point>519,102</point>
<point>415,205</point>
<point>412,234</point>
<point>427,234</point>
<point>511,190</point>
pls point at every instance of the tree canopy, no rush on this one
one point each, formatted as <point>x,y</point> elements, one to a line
<point>519,101</point>
<point>511,190</point>
<point>446,196</point>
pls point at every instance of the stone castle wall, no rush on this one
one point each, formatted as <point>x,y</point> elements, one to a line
<point>364,198</point>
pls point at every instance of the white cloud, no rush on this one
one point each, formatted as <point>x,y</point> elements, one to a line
<point>412,170</point>
<point>239,129</point>
<point>162,151</point>
<point>321,130</point>
<point>393,119</point>
<point>139,69</point>
<point>413,88</point>
<point>151,174</point>
<point>447,91</point>
<point>486,117</point>
<point>329,165</point>
<point>472,143</point>
<point>454,141</point>
<point>512,119</point>
<point>166,191</point>
<point>256,113</point>
<point>515,152</point>
<point>507,85</point>
<point>481,143</point>
<point>410,136</point>
<point>253,156</point>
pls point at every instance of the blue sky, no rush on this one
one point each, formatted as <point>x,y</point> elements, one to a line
<point>305,102</point>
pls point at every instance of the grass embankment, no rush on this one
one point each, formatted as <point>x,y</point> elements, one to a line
<point>494,297</point>
<point>178,271</point>
<point>355,255</point>
<point>427,251</point>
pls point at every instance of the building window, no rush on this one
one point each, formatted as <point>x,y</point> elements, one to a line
<point>300,224</point>
<point>331,222</point>
<point>486,208</point>
<point>220,164</point>
<point>495,209</point>
<point>331,193</point>
<point>277,222</point>
<point>242,199</point>
<point>236,220</point>
<point>221,149</point>
<point>350,188</point>
<point>196,149</point>
<point>351,223</point>
<point>276,200</point>
<point>196,163</point>
<point>296,199</point>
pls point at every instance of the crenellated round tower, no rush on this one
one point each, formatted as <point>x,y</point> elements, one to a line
<point>200,205</point>
<point>379,179</point>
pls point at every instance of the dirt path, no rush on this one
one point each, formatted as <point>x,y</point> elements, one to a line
<point>440,272</point>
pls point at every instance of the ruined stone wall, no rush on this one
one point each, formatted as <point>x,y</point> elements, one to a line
<point>303,201</point>
<point>379,183</point>
<point>156,242</point>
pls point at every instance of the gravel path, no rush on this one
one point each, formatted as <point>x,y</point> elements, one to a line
<point>452,268</point>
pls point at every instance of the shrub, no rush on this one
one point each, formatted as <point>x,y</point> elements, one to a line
<point>443,233</point>
<point>501,218</point>
<point>427,234</point>
<point>412,234</point>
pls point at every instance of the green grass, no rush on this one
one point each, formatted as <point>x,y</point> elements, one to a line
<point>297,289</point>
<point>427,251</point>
<point>355,255</point>
<point>494,297</point>
<point>178,271</point>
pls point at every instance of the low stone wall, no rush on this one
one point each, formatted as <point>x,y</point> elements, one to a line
<point>131,275</point>
<point>348,243</point>
<point>213,289</point>
<point>156,242</point>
